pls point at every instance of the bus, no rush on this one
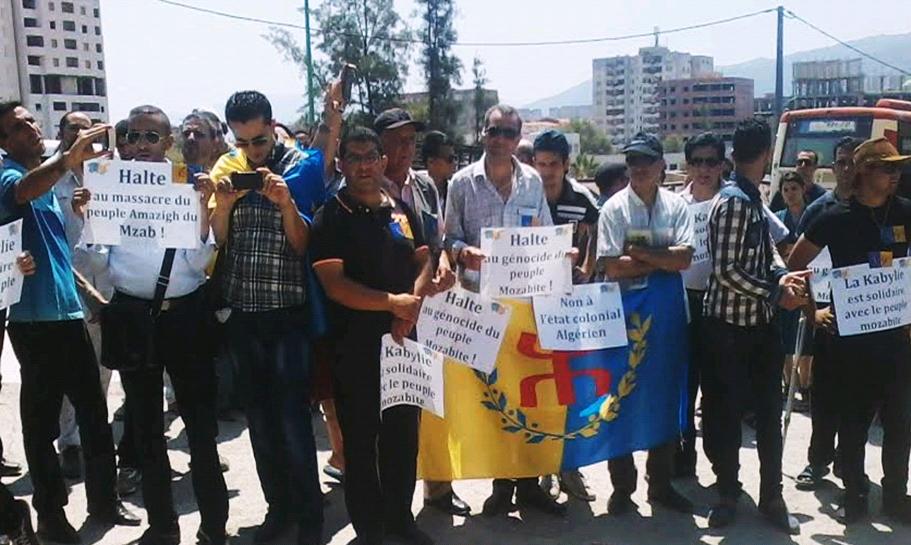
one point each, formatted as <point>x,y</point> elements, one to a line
<point>819,129</point>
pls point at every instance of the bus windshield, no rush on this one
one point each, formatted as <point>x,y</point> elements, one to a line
<point>820,135</point>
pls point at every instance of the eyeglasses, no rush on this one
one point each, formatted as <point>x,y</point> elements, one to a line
<point>358,160</point>
<point>710,162</point>
<point>508,133</point>
<point>152,137</point>
<point>640,160</point>
<point>195,134</point>
<point>805,162</point>
<point>257,142</point>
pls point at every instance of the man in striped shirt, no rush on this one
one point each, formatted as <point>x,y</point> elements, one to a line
<point>743,346</point>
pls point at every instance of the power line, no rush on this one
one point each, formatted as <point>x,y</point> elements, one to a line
<point>479,44</point>
<point>845,44</point>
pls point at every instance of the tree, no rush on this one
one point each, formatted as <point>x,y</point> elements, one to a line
<point>480,101</point>
<point>367,33</point>
<point>672,144</point>
<point>584,166</point>
<point>592,140</point>
<point>441,67</point>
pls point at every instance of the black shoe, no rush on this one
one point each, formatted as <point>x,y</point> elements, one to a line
<point>411,535</point>
<point>211,538</point>
<point>24,534</point>
<point>273,525</point>
<point>535,498</point>
<point>777,512</point>
<point>620,504</point>
<point>500,501</point>
<point>118,515</point>
<point>811,477</point>
<point>852,509</point>
<point>669,497</point>
<point>9,469</point>
<point>155,536</point>
<point>129,479</point>
<point>450,504</point>
<point>71,462</point>
<point>55,527</point>
<point>308,534</point>
<point>898,508</point>
<point>723,514</point>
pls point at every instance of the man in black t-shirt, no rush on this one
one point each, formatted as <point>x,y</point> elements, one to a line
<point>370,256</point>
<point>871,227</point>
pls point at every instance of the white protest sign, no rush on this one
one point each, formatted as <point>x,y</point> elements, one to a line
<point>591,318</point>
<point>10,275</point>
<point>868,300</point>
<point>700,213</point>
<point>410,375</point>
<point>526,261</point>
<point>136,202</point>
<point>822,275</point>
<point>464,326</point>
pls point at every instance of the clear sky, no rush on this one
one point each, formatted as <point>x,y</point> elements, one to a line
<point>180,59</point>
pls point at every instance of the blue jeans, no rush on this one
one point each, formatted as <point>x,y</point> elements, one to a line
<point>273,355</point>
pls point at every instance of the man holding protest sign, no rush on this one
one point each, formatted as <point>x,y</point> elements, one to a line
<point>372,260</point>
<point>497,191</point>
<point>743,345</point>
<point>870,229</point>
<point>644,228</point>
<point>138,268</point>
<point>49,309</point>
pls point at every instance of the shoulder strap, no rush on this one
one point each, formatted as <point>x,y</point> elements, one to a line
<point>164,278</point>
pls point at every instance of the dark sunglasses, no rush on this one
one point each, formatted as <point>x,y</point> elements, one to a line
<point>710,162</point>
<point>505,132</point>
<point>640,160</point>
<point>152,137</point>
<point>257,142</point>
<point>805,162</point>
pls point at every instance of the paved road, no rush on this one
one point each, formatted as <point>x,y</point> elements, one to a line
<point>587,524</point>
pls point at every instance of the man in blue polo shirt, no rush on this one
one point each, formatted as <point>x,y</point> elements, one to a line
<point>48,334</point>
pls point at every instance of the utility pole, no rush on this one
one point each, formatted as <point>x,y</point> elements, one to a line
<point>779,70</point>
<point>312,112</point>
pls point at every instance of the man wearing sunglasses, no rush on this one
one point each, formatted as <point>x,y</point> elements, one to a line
<point>440,158</point>
<point>47,331</point>
<point>874,374</point>
<point>644,228</point>
<point>497,191</point>
<point>806,164</point>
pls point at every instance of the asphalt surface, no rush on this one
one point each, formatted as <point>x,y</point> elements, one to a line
<point>586,524</point>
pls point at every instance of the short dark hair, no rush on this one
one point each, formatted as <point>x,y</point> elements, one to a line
<point>155,111</point>
<point>434,142</point>
<point>815,155</point>
<point>607,175</point>
<point>246,106</point>
<point>505,110</point>
<point>793,177</point>
<point>358,134</point>
<point>752,138</point>
<point>848,143</point>
<point>219,125</point>
<point>552,141</point>
<point>285,127</point>
<point>122,128</point>
<point>63,119</point>
<point>202,121</point>
<point>7,107</point>
<point>704,140</point>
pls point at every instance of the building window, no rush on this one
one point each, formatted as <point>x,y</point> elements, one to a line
<point>30,22</point>
<point>35,85</point>
<point>34,41</point>
<point>101,65</point>
<point>56,62</point>
<point>53,25</point>
<point>84,86</point>
<point>85,29</point>
<point>52,85</point>
<point>69,44</point>
<point>97,31</point>
<point>34,60</point>
<point>59,106</point>
<point>96,13</point>
<point>88,65</point>
<point>82,10</point>
<point>97,48</point>
<point>87,106</point>
<point>100,87</point>
<point>37,107</point>
<point>50,6</point>
<point>69,25</point>
<point>28,4</point>
<point>85,46</point>
<point>53,42</point>
<point>72,62</point>
<point>67,7</point>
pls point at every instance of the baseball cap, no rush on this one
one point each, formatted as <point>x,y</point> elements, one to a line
<point>645,144</point>
<point>554,141</point>
<point>878,150</point>
<point>394,118</point>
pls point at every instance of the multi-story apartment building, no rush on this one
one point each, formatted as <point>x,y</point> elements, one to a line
<point>691,106</point>
<point>844,82</point>
<point>625,89</point>
<point>58,55</point>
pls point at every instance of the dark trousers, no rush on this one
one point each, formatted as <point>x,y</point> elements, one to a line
<point>178,350</point>
<point>57,359</point>
<point>686,452</point>
<point>826,402</point>
<point>9,518</point>
<point>743,369</point>
<point>127,453</point>
<point>874,373</point>
<point>380,453</point>
<point>659,469</point>
<point>273,354</point>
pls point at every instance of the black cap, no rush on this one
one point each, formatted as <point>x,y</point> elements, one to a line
<point>394,118</point>
<point>645,144</point>
<point>553,141</point>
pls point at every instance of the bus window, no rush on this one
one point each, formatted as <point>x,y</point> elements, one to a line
<point>820,135</point>
<point>904,137</point>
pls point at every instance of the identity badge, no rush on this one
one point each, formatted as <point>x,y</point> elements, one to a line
<point>898,233</point>
<point>400,228</point>
<point>527,216</point>
<point>880,259</point>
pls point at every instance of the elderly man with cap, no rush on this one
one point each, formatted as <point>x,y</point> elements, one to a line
<point>645,228</point>
<point>871,227</point>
